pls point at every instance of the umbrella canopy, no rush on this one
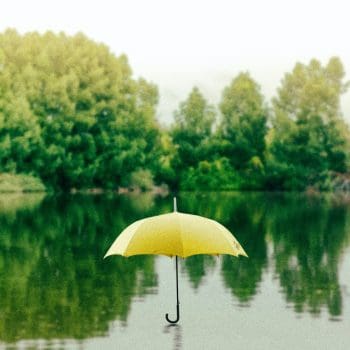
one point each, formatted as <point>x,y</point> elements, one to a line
<point>176,234</point>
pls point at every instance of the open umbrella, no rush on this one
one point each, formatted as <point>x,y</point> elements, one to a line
<point>175,234</point>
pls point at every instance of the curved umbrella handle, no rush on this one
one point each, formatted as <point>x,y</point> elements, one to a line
<point>177,316</point>
<point>177,299</point>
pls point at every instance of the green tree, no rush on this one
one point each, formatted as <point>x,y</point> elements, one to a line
<point>244,117</point>
<point>163,169</point>
<point>71,112</point>
<point>191,131</point>
<point>309,138</point>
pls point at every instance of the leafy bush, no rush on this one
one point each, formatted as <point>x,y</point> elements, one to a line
<point>211,176</point>
<point>20,183</point>
<point>141,179</point>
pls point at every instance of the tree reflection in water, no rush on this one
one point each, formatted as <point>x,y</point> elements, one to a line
<point>55,284</point>
<point>240,214</point>
<point>309,235</point>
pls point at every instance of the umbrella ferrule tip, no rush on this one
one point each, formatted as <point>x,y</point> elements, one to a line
<point>175,205</point>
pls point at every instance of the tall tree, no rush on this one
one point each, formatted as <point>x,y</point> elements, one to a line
<point>243,128</point>
<point>71,112</point>
<point>191,131</point>
<point>309,138</point>
<point>244,118</point>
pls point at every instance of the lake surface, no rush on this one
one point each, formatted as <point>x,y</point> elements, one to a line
<point>56,291</point>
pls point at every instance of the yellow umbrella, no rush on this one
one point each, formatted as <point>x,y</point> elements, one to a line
<point>175,234</point>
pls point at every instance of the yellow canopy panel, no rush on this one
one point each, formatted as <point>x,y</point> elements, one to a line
<point>176,234</point>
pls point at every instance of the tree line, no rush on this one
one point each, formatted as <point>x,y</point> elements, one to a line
<point>73,115</point>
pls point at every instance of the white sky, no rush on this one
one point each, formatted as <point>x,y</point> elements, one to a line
<point>178,44</point>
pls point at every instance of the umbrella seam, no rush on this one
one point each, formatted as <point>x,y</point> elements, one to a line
<point>132,238</point>
<point>224,233</point>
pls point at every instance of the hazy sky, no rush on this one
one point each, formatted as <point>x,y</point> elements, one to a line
<point>178,44</point>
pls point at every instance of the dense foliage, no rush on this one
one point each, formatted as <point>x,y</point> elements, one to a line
<point>243,129</point>
<point>309,139</point>
<point>73,115</point>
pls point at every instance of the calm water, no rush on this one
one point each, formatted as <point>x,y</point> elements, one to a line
<point>56,291</point>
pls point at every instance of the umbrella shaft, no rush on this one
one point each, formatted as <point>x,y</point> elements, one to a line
<point>177,283</point>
